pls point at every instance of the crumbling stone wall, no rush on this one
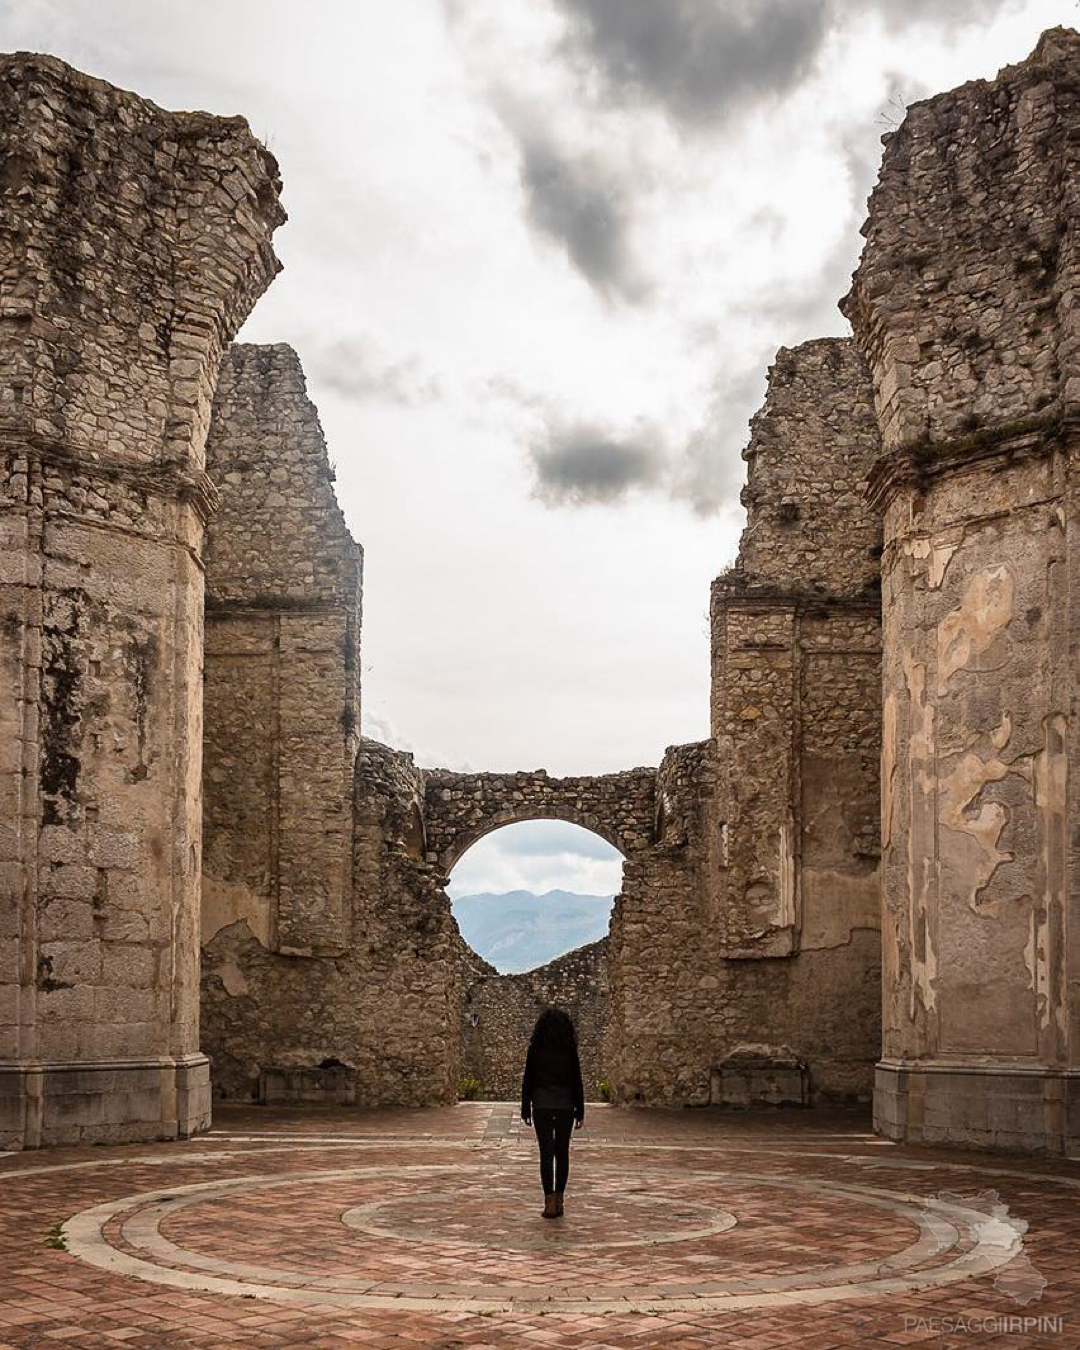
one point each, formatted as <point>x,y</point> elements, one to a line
<point>387,1005</point>
<point>753,922</point>
<point>398,1007</point>
<point>133,242</point>
<point>499,1012</point>
<point>972,335</point>
<point>461,808</point>
<point>743,956</point>
<point>283,612</point>
<point>796,662</point>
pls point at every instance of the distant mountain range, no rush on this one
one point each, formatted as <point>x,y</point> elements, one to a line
<point>519,931</point>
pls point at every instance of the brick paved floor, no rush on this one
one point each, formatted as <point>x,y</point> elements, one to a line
<point>422,1228</point>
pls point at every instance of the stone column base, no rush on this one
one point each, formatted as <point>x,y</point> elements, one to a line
<point>1033,1109</point>
<point>98,1102</point>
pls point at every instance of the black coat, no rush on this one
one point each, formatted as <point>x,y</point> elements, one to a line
<point>552,1079</point>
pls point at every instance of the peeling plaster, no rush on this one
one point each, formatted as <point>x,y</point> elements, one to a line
<point>1003,732</point>
<point>786,917</point>
<point>985,609</point>
<point>834,904</point>
<point>225,903</point>
<point>958,790</point>
<point>233,978</point>
<point>888,768</point>
<point>1050,777</point>
<point>940,557</point>
<point>921,866</point>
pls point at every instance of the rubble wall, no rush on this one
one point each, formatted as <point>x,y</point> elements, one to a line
<point>387,1005</point>
<point>753,922</point>
<point>283,615</point>
<point>133,242</point>
<point>500,1011</point>
<point>461,808</point>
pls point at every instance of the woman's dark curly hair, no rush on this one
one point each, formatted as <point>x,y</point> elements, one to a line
<point>554,1030</point>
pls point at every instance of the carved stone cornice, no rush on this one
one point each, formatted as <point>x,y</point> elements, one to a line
<point>166,479</point>
<point>745,595</point>
<point>921,462</point>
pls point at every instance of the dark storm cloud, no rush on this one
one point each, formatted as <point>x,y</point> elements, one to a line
<point>700,59</point>
<point>575,203</point>
<point>696,57</point>
<point>582,464</point>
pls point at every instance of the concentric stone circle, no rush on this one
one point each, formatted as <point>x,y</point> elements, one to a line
<point>954,1242</point>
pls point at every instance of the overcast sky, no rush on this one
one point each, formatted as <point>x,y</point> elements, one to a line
<point>539,255</point>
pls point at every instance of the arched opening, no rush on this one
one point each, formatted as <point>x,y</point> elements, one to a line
<point>533,901</point>
<point>525,894</point>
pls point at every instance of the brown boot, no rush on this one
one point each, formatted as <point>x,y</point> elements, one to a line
<point>551,1207</point>
<point>558,1204</point>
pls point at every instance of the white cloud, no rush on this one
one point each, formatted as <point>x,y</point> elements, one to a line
<point>538,856</point>
<point>445,327</point>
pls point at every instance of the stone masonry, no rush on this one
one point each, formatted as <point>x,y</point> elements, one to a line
<point>386,1006</point>
<point>880,828</point>
<point>972,334</point>
<point>748,935</point>
<point>460,808</point>
<point>133,242</point>
<point>499,1012</point>
<point>283,579</point>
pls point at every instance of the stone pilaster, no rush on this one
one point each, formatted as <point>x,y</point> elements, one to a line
<point>964,305</point>
<point>133,242</point>
<point>795,650</point>
<point>283,614</point>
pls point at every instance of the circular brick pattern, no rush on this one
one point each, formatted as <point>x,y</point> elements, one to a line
<point>467,1235</point>
<point>494,1216</point>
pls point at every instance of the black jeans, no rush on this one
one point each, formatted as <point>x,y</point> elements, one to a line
<point>553,1131</point>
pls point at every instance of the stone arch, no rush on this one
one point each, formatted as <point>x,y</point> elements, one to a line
<point>460,809</point>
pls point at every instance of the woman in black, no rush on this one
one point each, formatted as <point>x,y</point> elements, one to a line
<point>553,1099</point>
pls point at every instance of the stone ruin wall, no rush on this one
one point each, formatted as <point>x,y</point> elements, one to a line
<point>283,582</point>
<point>460,808</point>
<point>386,1006</point>
<point>499,1012</point>
<point>746,932</point>
<point>323,936</point>
<point>133,243</point>
<point>743,948</point>
<point>372,996</point>
<point>751,929</point>
<point>972,337</point>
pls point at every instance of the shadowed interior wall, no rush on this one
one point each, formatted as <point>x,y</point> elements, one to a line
<point>133,243</point>
<point>499,1012</point>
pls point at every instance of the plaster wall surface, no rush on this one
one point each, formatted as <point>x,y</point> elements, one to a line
<point>972,337</point>
<point>133,242</point>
